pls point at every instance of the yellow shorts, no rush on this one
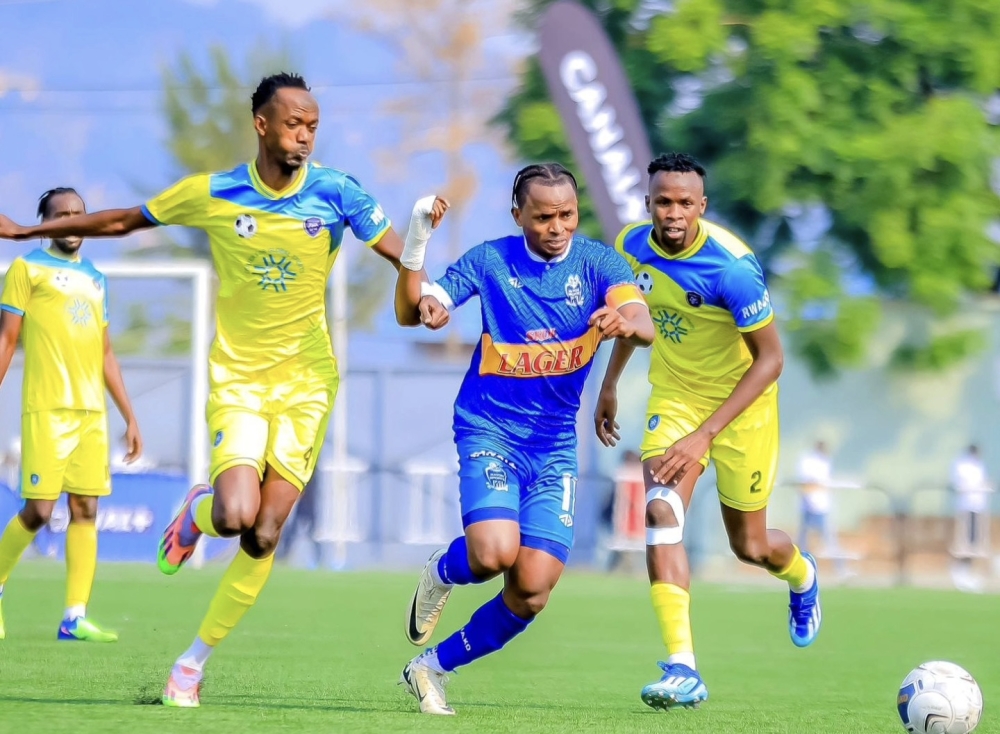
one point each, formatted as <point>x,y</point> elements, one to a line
<point>745,454</point>
<point>64,451</point>
<point>281,423</point>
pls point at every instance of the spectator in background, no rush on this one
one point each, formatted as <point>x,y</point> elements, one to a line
<point>814,483</point>
<point>972,490</point>
<point>627,475</point>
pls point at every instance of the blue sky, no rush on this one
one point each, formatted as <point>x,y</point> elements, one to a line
<point>81,93</point>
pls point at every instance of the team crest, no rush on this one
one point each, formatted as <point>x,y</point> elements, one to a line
<point>218,439</point>
<point>654,421</point>
<point>496,476</point>
<point>35,479</point>
<point>574,291</point>
<point>97,285</point>
<point>245,226</point>
<point>695,299</point>
<point>313,226</point>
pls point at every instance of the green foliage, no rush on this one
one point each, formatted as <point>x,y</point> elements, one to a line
<point>873,109</point>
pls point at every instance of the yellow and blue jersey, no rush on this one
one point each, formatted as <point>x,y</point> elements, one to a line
<point>64,303</point>
<point>700,301</point>
<point>273,252</point>
<point>536,350</point>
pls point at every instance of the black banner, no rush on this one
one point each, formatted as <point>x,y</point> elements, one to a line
<point>594,97</point>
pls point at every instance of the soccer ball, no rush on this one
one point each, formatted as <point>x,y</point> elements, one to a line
<point>939,698</point>
<point>246,226</point>
<point>645,282</point>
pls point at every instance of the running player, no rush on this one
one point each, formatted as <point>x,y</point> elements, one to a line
<point>714,369</point>
<point>275,227</point>
<point>58,303</point>
<point>548,299</point>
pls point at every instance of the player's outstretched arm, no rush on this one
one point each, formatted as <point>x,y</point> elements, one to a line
<point>411,309</point>
<point>116,387</point>
<point>768,361</point>
<point>10,330</point>
<point>107,223</point>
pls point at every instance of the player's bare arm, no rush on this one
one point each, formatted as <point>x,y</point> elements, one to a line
<point>10,330</point>
<point>116,388</point>
<point>768,360</point>
<point>107,223</point>
<point>605,423</point>
<point>411,308</point>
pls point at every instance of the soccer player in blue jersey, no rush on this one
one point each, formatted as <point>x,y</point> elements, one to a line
<point>714,369</point>
<point>548,298</point>
<point>275,226</point>
<point>57,303</point>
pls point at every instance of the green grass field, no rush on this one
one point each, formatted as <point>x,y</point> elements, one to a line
<point>321,652</point>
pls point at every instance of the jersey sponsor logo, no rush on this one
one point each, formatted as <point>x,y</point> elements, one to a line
<point>313,226</point>
<point>276,269</point>
<point>645,282</point>
<point>496,477</point>
<point>672,326</point>
<point>541,335</point>
<point>694,299</point>
<point>757,307</point>
<point>538,360</point>
<point>574,291</point>
<point>79,312</point>
<point>245,226</point>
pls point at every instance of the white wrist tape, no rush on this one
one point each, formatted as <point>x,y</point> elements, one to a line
<point>417,235</point>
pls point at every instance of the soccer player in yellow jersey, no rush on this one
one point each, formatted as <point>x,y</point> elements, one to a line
<point>275,227</point>
<point>716,359</point>
<point>57,303</point>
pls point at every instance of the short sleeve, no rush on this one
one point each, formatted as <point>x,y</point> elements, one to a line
<point>364,215</point>
<point>185,203</point>
<point>745,294</point>
<point>615,280</point>
<point>16,288</point>
<point>461,280</point>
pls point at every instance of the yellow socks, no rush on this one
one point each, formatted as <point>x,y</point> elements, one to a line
<point>799,574</point>
<point>672,606</point>
<point>237,592</point>
<point>81,565</point>
<point>203,516</point>
<point>15,540</point>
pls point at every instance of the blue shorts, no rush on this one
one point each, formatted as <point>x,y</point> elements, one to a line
<point>534,487</point>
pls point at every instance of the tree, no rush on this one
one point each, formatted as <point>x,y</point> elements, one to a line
<point>441,43</point>
<point>870,113</point>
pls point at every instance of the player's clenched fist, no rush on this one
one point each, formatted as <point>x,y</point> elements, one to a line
<point>612,324</point>
<point>433,315</point>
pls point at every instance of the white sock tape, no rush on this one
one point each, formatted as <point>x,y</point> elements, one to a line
<point>415,244</point>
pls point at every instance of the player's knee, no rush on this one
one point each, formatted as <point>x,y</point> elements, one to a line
<point>660,515</point>
<point>754,551</point>
<point>527,603</point>
<point>490,558</point>
<point>232,518</point>
<point>264,540</point>
<point>35,515</point>
<point>82,509</point>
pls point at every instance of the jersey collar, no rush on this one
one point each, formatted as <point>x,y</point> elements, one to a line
<point>291,190</point>
<point>55,254</point>
<point>539,259</point>
<point>691,251</point>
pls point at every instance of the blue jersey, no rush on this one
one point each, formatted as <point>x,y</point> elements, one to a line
<point>530,366</point>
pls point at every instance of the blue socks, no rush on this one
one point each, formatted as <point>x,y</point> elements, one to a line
<point>492,626</point>
<point>453,567</point>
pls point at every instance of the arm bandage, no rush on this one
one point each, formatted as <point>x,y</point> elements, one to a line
<point>415,244</point>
